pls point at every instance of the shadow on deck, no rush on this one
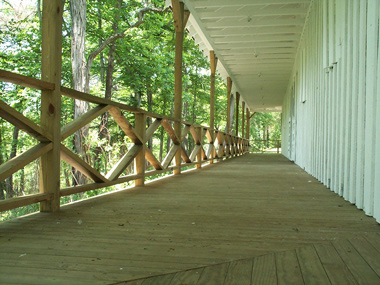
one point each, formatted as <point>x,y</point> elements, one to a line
<point>257,214</point>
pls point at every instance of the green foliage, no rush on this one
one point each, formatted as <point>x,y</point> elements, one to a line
<point>265,131</point>
<point>144,64</point>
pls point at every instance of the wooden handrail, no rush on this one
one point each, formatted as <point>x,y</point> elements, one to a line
<point>220,145</point>
<point>25,81</point>
<point>13,203</point>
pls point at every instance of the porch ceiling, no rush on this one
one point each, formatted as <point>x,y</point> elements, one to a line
<point>255,41</point>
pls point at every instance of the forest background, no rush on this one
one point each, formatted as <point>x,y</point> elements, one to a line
<point>115,49</point>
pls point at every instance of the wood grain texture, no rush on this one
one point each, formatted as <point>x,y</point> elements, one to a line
<point>288,268</point>
<point>311,267</point>
<point>359,268</point>
<point>214,275</point>
<point>264,270</point>
<point>78,163</point>
<point>239,272</point>
<point>188,277</point>
<point>11,166</point>
<point>83,120</point>
<point>23,201</point>
<point>25,81</point>
<point>123,163</point>
<point>23,123</point>
<point>247,207</point>
<point>125,125</point>
<point>334,266</point>
<point>152,159</point>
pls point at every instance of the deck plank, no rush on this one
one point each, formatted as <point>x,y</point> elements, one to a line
<point>288,269</point>
<point>239,272</point>
<point>368,252</point>
<point>311,267</point>
<point>264,270</point>
<point>214,275</point>
<point>159,280</point>
<point>188,277</point>
<point>247,207</point>
<point>336,269</point>
<point>359,268</point>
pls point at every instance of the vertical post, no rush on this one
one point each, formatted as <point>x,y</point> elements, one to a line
<point>213,63</point>
<point>237,114</point>
<point>229,87</point>
<point>140,127</point>
<point>51,66</point>
<point>242,119</point>
<point>247,128</point>
<point>180,19</point>
<point>199,154</point>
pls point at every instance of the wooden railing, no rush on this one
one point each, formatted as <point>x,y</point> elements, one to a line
<point>265,145</point>
<point>220,145</point>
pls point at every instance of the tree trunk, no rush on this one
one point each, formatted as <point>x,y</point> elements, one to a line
<point>102,68</point>
<point>9,182</point>
<point>78,63</point>
<point>150,108</point>
<point>138,97</point>
<point>168,139</point>
<point>39,13</point>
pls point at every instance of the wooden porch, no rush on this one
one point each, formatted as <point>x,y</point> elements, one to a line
<point>258,217</point>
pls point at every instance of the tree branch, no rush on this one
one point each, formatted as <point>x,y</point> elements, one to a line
<point>140,15</point>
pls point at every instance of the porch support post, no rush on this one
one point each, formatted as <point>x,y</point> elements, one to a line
<point>237,114</point>
<point>140,126</point>
<point>243,120</point>
<point>247,130</point>
<point>229,87</point>
<point>180,19</point>
<point>242,127</point>
<point>213,64</point>
<point>51,66</point>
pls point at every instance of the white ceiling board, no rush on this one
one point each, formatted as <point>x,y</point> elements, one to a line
<point>249,12</point>
<point>248,31</point>
<point>255,41</point>
<point>218,3</point>
<point>263,22</point>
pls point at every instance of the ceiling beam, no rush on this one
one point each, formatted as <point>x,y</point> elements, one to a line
<point>234,32</point>
<point>219,3</point>
<point>280,50</point>
<point>243,23</point>
<point>237,47</point>
<point>258,56</point>
<point>258,38</point>
<point>250,13</point>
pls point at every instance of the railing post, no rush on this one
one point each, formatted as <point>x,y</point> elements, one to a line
<point>242,119</point>
<point>229,87</point>
<point>140,127</point>
<point>51,65</point>
<point>199,154</point>
<point>248,126</point>
<point>237,114</point>
<point>213,64</point>
<point>180,19</point>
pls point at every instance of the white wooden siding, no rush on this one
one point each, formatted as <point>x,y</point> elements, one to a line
<point>331,113</point>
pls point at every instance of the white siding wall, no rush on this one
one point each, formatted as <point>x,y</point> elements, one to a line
<point>331,112</point>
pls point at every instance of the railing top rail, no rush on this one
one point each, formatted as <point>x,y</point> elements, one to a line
<point>25,81</point>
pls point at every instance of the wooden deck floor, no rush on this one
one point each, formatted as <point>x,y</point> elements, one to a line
<point>258,212</point>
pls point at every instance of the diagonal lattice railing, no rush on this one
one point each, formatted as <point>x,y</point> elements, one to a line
<point>219,145</point>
